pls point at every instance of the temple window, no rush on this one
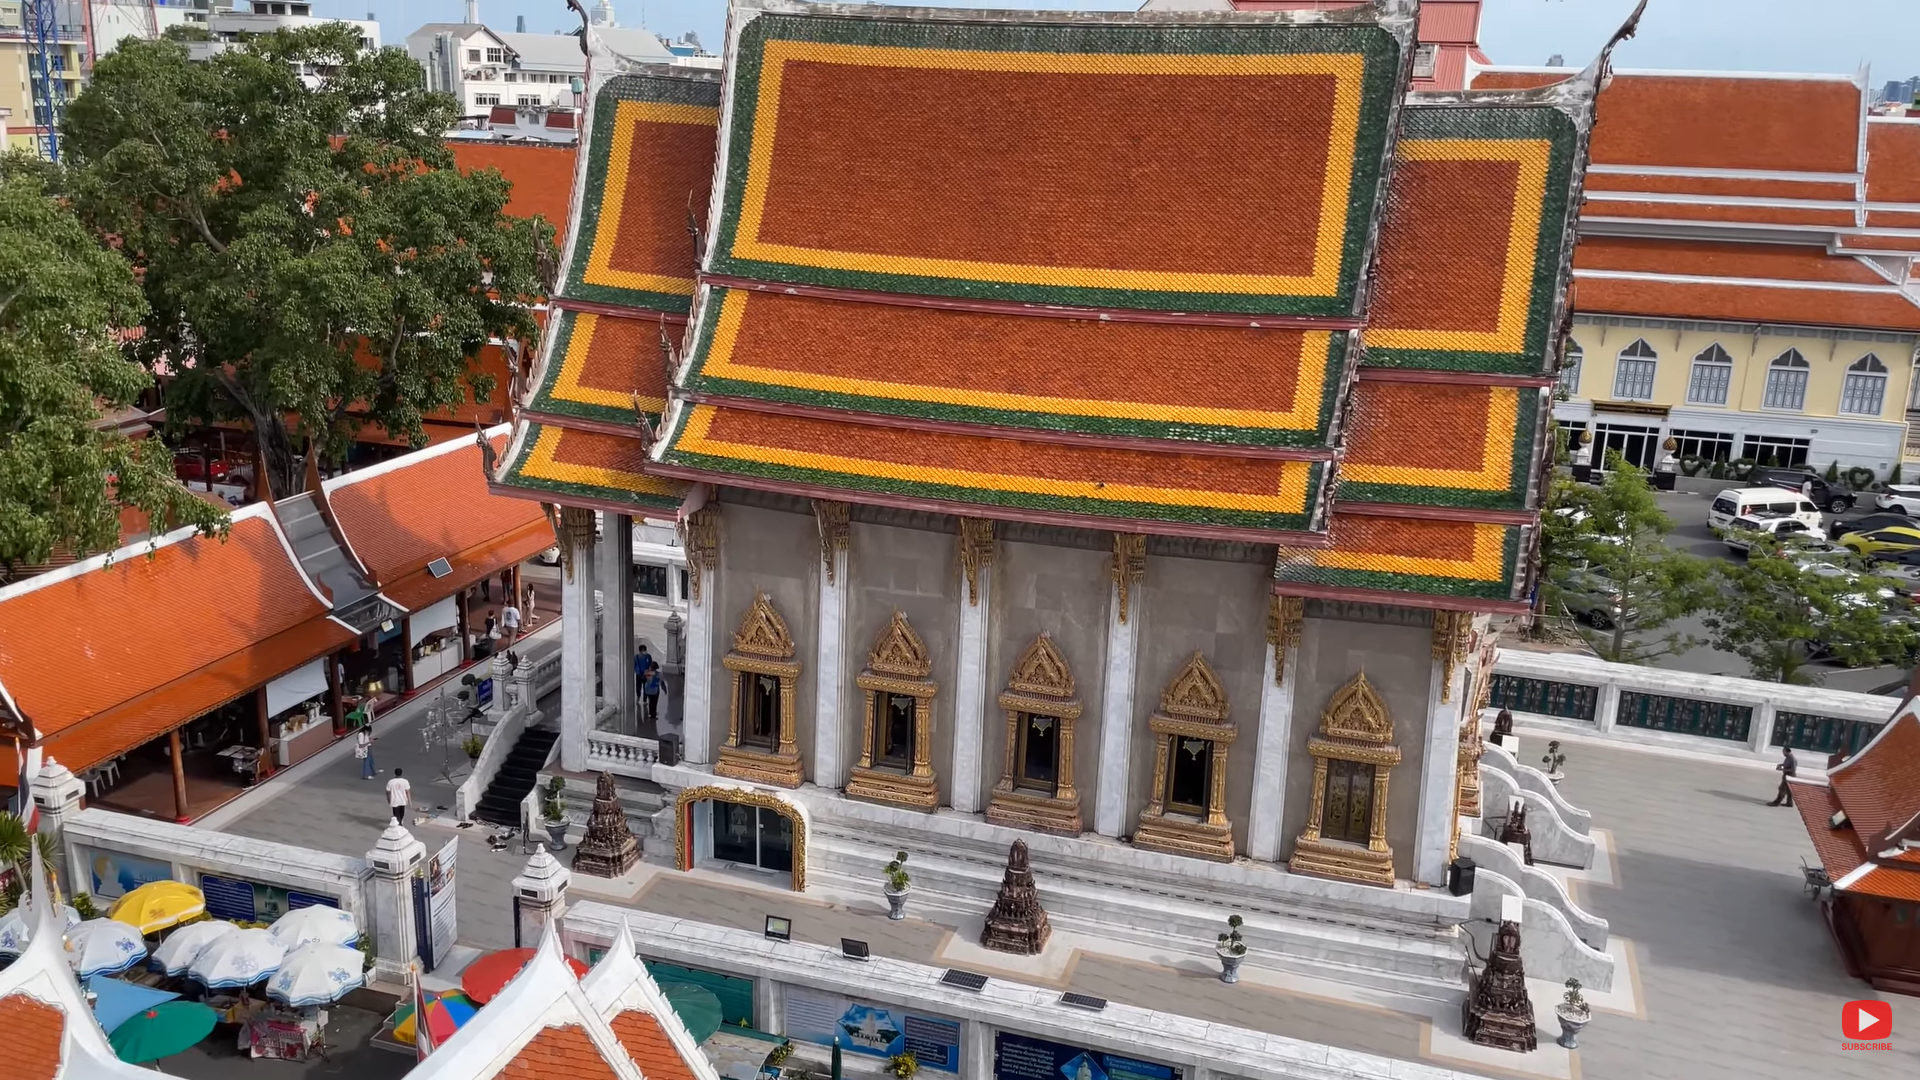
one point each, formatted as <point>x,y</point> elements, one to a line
<point>760,725</point>
<point>1036,782</point>
<point>896,748</point>
<point>1187,813</point>
<point>1353,757</point>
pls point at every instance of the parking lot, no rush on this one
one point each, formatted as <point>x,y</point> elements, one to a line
<point>1689,512</point>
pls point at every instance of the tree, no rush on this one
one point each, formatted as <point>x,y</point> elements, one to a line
<point>312,259</point>
<point>65,477</point>
<point>1618,532</point>
<point>1780,614</point>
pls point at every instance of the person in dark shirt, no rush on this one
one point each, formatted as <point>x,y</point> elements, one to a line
<point>650,691</point>
<point>1788,767</point>
<point>642,660</point>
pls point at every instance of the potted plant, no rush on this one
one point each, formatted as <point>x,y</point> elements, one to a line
<point>473,744</point>
<point>779,1056</point>
<point>1553,760</point>
<point>903,1065</point>
<point>555,811</point>
<point>898,885</point>
<point>1231,950</point>
<point>1573,1013</point>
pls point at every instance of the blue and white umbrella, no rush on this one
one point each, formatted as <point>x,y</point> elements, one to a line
<point>184,945</point>
<point>16,928</point>
<point>104,947</point>
<point>317,974</point>
<point>327,925</point>
<point>241,958</point>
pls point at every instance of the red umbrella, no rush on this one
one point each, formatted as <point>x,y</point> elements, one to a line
<point>486,976</point>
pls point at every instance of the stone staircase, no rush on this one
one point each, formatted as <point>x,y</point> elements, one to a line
<point>1319,937</point>
<point>500,803</point>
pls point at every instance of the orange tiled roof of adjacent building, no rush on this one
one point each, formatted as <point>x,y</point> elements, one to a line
<point>33,1032</point>
<point>1879,787</point>
<point>398,520</point>
<point>559,1053</point>
<point>647,1044</point>
<point>1839,849</point>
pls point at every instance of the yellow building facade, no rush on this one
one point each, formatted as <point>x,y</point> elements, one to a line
<point>1726,390</point>
<point>16,93</point>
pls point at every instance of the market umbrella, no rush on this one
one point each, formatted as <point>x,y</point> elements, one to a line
<point>157,905</point>
<point>162,1030</point>
<point>485,976</point>
<point>117,1000</point>
<point>317,974</point>
<point>177,952</point>
<point>241,958</point>
<point>104,947</point>
<point>16,928</point>
<point>328,925</point>
<point>699,1009</point>
<point>446,1012</point>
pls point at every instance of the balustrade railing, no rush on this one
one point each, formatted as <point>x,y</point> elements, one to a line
<point>622,755</point>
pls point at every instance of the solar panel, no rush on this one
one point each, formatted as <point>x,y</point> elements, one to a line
<point>1083,1001</point>
<point>965,980</point>
<point>439,568</point>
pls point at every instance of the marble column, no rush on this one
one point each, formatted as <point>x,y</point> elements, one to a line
<point>830,673</point>
<point>616,615</point>
<point>1117,719</point>
<point>396,946</point>
<point>970,696</point>
<point>1273,736</point>
<point>578,644</point>
<point>696,702</point>
<point>56,795</point>
<point>1439,770</point>
<point>541,890</point>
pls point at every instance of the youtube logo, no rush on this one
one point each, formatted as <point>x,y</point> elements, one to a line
<point>1867,1020</point>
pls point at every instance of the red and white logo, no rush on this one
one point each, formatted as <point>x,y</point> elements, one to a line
<point>1867,1020</point>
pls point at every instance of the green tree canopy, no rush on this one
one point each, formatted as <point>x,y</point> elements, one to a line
<point>311,257</point>
<point>1780,614</point>
<point>1618,532</point>
<point>64,476</point>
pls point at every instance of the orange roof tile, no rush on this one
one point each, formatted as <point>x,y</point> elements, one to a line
<point>1879,787</point>
<point>1839,849</point>
<point>1745,303</point>
<point>77,646</point>
<point>1893,161</point>
<point>1706,258</point>
<point>161,709</point>
<point>542,175</point>
<point>421,588</point>
<point>647,1044</point>
<point>1735,186</point>
<point>34,1033</point>
<point>559,1053</point>
<point>1599,206</point>
<point>399,520</point>
<point>1725,122</point>
<point>1888,883</point>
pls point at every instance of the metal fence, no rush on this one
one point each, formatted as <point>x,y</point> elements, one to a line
<point>1822,734</point>
<point>1569,701</point>
<point>1687,716</point>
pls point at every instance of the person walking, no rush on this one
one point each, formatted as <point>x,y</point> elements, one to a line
<point>510,622</point>
<point>650,690</point>
<point>363,749</point>
<point>399,792</point>
<point>642,660</point>
<point>1788,768</point>
<point>486,590</point>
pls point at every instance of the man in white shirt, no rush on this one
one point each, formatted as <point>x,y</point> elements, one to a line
<point>510,622</point>
<point>399,792</point>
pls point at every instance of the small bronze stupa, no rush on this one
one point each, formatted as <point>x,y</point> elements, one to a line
<point>1017,923</point>
<point>609,849</point>
<point>1500,1014</point>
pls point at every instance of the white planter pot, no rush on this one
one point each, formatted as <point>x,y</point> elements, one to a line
<point>1570,1025</point>
<point>896,902</point>
<point>1229,964</point>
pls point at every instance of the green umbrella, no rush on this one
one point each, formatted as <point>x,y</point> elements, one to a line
<point>161,1031</point>
<point>699,1009</point>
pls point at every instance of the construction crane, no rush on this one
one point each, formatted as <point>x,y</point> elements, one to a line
<point>44,72</point>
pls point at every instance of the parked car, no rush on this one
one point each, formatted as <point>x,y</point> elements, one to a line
<point>1900,498</point>
<point>189,466</point>
<point>1839,527</point>
<point>1889,541</point>
<point>1901,571</point>
<point>1761,501</point>
<point>1593,598</point>
<point>1741,533</point>
<point>1830,495</point>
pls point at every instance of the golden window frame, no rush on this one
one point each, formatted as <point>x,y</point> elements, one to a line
<point>762,646</point>
<point>1193,706</point>
<point>1041,685</point>
<point>897,664</point>
<point>1355,726</point>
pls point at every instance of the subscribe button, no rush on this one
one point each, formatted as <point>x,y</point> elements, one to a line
<point>1867,1020</point>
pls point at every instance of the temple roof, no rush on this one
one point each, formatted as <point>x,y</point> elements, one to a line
<point>1027,265</point>
<point>1865,820</point>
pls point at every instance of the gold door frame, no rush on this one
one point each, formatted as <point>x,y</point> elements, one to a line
<point>1354,727</point>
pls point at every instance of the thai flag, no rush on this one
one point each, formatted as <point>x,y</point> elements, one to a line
<point>422,1030</point>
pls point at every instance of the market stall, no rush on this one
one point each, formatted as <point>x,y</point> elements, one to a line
<point>435,641</point>
<point>296,704</point>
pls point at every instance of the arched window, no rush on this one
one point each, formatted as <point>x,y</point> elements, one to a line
<point>1712,375</point>
<point>1569,378</point>
<point>1865,390</point>
<point>1787,382</point>
<point>1633,372</point>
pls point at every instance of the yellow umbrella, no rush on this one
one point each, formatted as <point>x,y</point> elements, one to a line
<point>157,905</point>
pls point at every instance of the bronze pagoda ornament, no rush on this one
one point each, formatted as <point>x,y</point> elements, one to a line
<point>609,849</point>
<point>1502,727</point>
<point>1017,924</point>
<point>1499,1014</point>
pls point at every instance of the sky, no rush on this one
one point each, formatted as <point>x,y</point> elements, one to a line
<point>1834,36</point>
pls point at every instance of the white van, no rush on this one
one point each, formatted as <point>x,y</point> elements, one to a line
<point>1756,501</point>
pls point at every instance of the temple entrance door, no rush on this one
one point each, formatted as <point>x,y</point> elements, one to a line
<point>752,836</point>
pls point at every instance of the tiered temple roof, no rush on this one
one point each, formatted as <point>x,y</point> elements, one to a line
<point>1213,274</point>
<point>1865,820</point>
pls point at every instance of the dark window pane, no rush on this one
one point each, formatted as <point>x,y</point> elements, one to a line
<point>1040,752</point>
<point>896,742</point>
<point>1191,774</point>
<point>649,580</point>
<point>734,829</point>
<point>776,841</point>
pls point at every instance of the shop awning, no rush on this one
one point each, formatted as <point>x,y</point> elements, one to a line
<point>440,615</point>
<point>296,686</point>
<point>164,708</point>
<point>421,589</point>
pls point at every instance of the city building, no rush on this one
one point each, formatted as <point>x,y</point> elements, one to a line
<point>519,80</point>
<point>25,125</point>
<point>1448,42</point>
<point>1743,280</point>
<point>231,27</point>
<point>984,544</point>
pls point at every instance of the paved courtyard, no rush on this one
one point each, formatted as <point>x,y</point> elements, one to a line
<point>1736,976</point>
